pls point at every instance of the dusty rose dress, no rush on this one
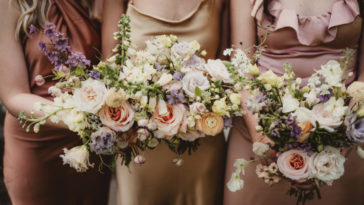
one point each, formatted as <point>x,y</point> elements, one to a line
<point>34,172</point>
<point>307,42</point>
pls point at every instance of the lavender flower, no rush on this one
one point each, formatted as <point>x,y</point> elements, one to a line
<point>296,131</point>
<point>178,76</point>
<point>50,30</point>
<point>228,121</point>
<point>325,98</point>
<point>292,145</point>
<point>61,43</point>
<point>355,130</point>
<point>103,141</point>
<point>75,59</point>
<point>94,74</point>
<point>256,104</point>
<point>175,97</point>
<point>195,63</point>
<point>306,146</point>
<point>52,56</point>
<point>275,132</point>
<point>32,29</point>
<point>159,67</point>
<point>291,119</point>
<point>42,46</point>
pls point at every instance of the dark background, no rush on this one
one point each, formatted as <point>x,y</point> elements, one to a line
<point>4,197</point>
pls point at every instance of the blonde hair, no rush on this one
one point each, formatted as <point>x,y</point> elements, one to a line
<point>36,12</point>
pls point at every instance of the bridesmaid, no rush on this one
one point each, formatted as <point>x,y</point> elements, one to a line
<point>159,181</point>
<point>307,33</point>
<point>34,172</point>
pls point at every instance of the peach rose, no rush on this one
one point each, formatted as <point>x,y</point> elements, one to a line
<point>305,132</point>
<point>90,97</point>
<point>120,119</point>
<point>170,124</point>
<point>210,124</point>
<point>294,165</point>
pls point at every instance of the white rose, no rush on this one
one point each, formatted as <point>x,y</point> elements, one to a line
<point>77,157</point>
<point>194,63</point>
<point>90,97</point>
<point>218,71</point>
<point>327,165</point>
<point>193,79</point>
<point>181,51</point>
<point>260,148</point>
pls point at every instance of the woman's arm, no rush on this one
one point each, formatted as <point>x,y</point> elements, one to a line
<point>14,84</point>
<point>111,15</point>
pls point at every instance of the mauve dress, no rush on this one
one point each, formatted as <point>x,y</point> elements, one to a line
<point>307,42</point>
<point>200,180</point>
<point>34,172</point>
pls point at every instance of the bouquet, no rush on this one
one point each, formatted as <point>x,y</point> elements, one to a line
<point>307,125</point>
<point>135,99</point>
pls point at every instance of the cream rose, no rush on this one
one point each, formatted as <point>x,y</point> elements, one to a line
<point>77,157</point>
<point>182,51</point>
<point>294,165</point>
<point>195,63</point>
<point>325,118</point>
<point>120,119</point>
<point>168,125</point>
<point>218,71</point>
<point>90,97</point>
<point>193,79</point>
<point>327,165</point>
<point>191,135</point>
<point>210,124</point>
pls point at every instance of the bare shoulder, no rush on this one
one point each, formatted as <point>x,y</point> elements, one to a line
<point>10,13</point>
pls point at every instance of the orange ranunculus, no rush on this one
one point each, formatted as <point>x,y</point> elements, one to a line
<point>210,124</point>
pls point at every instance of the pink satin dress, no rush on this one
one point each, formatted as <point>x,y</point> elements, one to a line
<point>307,42</point>
<point>34,172</point>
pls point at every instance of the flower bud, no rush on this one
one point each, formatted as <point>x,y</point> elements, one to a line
<point>235,107</point>
<point>268,87</point>
<point>61,85</point>
<point>64,69</point>
<point>36,128</point>
<point>254,70</point>
<point>73,80</point>
<point>235,98</point>
<point>204,53</point>
<point>39,80</point>
<point>142,134</point>
<point>350,74</point>
<point>360,151</point>
<point>298,81</point>
<point>139,159</point>
<point>131,51</point>
<point>248,87</point>
<point>198,107</point>
<point>305,89</point>
<point>270,78</point>
<point>133,45</point>
<point>143,122</point>
<point>173,38</point>
<point>360,113</point>
<point>153,143</point>
<point>178,161</point>
<point>54,91</point>
<point>152,125</point>
<point>217,97</point>
<point>320,147</point>
<point>126,43</point>
<point>258,128</point>
<point>112,59</point>
<point>198,99</point>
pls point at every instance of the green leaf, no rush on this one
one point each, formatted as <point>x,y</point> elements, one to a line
<point>61,74</point>
<point>218,83</point>
<point>79,71</point>
<point>198,92</point>
<point>54,72</point>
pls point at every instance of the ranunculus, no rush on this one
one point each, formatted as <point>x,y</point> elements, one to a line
<point>168,125</point>
<point>77,157</point>
<point>325,118</point>
<point>260,148</point>
<point>220,108</point>
<point>290,103</point>
<point>120,119</point>
<point>210,124</point>
<point>306,128</point>
<point>193,79</point>
<point>270,78</point>
<point>90,97</point>
<point>190,135</point>
<point>294,165</point>
<point>235,98</point>
<point>173,85</point>
<point>327,165</point>
<point>218,71</point>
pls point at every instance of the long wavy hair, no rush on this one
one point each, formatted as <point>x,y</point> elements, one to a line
<point>271,18</point>
<point>36,12</point>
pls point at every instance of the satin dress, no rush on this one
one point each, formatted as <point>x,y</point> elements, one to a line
<point>200,179</point>
<point>307,42</point>
<point>34,172</point>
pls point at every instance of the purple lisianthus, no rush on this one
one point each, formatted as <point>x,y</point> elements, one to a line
<point>159,67</point>
<point>275,132</point>
<point>32,29</point>
<point>178,76</point>
<point>52,56</point>
<point>296,131</point>
<point>50,30</point>
<point>325,98</point>
<point>94,74</point>
<point>61,43</point>
<point>355,130</point>
<point>42,46</point>
<point>103,141</point>
<point>175,97</point>
<point>228,121</point>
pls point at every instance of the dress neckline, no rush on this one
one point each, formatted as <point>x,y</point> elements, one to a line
<point>190,15</point>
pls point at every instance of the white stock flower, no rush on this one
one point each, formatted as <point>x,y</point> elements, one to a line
<point>217,70</point>
<point>38,106</point>
<point>260,148</point>
<point>332,73</point>
<point>90,97</point>
<point>75,119</point>
<point>193,79</point>
<point>77,157</point>
<point>336,107</point>
<point>303,115</point>
<point>311,98</point>
<point>240,164</point>
<point>290,104</point>
<point>235,183</point>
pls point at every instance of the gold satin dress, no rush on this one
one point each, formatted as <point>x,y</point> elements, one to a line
<point>200,180</point>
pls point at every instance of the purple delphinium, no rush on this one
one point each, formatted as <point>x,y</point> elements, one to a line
<point>61,43</point>
<point>227,121</point>
<point>75,59</point>
<point>296,131</point>
<point>325,98</point>
<point>256,104</point>
<point>178,76</point>
<point>175,97</point>
<point>275,132</point>
<point>42,46</point>
<point>52,56</point>
<point>32,29</point>
<point>50,30</point>
<point>159,67</point>
<point>103,142</point>
<point>305,146</point>
<point>94,74</point>
<point>291,119</point>
<point>292,145</point>
<point>355,130</point>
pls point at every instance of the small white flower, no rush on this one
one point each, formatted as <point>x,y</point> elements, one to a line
<point>290,104</point>
<point>311,98</point>
<point>240,164</point>
<point>235,183</point>
<point>228,51</point>
<point>260,148</point>
<point>38,106</point>
<point>336,107</point>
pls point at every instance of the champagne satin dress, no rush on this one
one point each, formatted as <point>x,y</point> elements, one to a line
<point>34,172</point>
<point>200,179</point>
<point>307,42</point>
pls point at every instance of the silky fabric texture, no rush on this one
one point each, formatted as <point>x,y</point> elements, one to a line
<point>307,42</point>
<point>34,172</point>
<point>199,181</point>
